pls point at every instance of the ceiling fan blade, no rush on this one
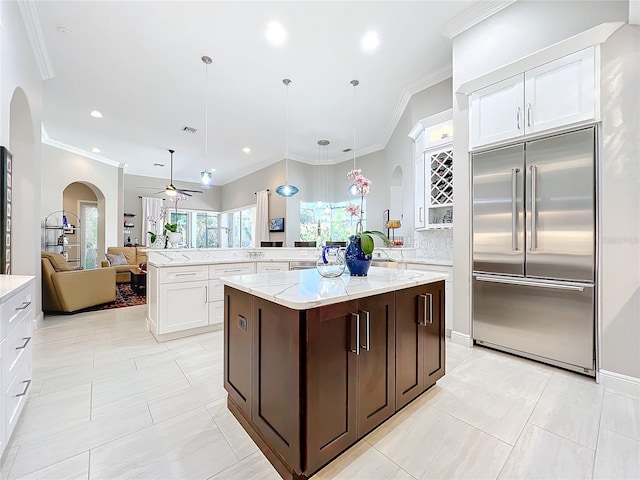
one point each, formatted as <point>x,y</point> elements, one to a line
<point>185,193</point>
<point>192,191</point>
<point>150,188</point>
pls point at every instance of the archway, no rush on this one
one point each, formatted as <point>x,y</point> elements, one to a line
<point>87,203</point>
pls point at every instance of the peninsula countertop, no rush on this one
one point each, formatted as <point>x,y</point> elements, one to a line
<point>304,289</point>
<point>9,284</point>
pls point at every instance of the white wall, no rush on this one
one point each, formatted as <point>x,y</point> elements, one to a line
<point>61,168</point>
<point>21,84</point>
<point>517,31</point>
<point>620,203</point>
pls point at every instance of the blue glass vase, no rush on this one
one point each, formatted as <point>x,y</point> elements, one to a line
<point>358,262</point>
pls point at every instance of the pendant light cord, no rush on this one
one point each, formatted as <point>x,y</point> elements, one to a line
<point>286,82</point>
<point>355,83</point>
<point>206,111</point>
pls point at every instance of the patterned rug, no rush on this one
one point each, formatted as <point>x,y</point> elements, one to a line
<point>125,297</point>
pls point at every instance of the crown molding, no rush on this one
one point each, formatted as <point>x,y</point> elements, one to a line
<point>474,15</point>
<point>411,90</point>
<point>77,151</point>
<point>31,21</point>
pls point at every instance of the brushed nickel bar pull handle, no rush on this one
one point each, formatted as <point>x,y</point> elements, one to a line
<point>518,118</point>
<point>185,274</point>
<point>421,214</point>
<point>534,209</point>
<point>427,319</point>
<point>528,114</point>
<point>525,283</point>
<point>26,387</point>
<point>233,270</point>
<point>206,294</point>
<point>514,208</point>
<point>26,341</point>
<point>367,345</point>
<point>23,306</point>
<point>357,319</point>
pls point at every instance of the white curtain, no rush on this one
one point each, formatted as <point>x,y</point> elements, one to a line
<point>151,218</point>
<point>262,218</point>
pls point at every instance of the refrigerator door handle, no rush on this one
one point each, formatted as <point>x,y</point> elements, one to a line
<point>534,209</point>
<point>529,283</point>
<point>514,209</point>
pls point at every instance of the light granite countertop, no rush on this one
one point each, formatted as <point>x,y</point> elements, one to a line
<point>9,284</point>
<point>304,289</point>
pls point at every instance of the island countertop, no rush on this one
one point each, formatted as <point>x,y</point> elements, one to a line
<point>304,289</point>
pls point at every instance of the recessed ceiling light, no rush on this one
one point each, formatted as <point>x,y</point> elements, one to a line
<point>95,150</point>
<point>370,41</point>
<point>276,34</point>
<point>96,114</point>
<point>246,150</point>
<point>212,170</point>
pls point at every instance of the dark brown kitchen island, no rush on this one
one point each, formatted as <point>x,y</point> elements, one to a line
<point>311,364</point>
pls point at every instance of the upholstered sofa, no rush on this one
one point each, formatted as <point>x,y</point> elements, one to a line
<point>134,257</point>
<point>67,290</point>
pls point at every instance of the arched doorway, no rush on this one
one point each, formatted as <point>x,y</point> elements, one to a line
<point>86,202</point>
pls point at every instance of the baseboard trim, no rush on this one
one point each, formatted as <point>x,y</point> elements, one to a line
<point>38,321</point>
<point>461,339</point>
<point>620,383</point>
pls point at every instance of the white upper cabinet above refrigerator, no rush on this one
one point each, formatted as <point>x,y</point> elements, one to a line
<point>556,94</point>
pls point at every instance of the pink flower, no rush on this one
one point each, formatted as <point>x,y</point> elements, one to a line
<point>354,210</point>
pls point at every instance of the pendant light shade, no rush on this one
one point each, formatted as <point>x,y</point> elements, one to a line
<point>353,188</point>
<point>286,190</point>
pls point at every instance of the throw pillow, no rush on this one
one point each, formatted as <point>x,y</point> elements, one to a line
<point>118,259</point>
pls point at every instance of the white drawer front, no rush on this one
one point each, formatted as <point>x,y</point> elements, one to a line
<point>15,348</point>
<point>430,268</point>
<point>16,394</point>
<point>15,309</point>
<point>216,313</point>
<point>184,274</point>
<point>262,267</point>
<point>223,270</point>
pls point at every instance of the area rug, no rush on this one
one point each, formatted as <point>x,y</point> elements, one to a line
<point>125,297</point>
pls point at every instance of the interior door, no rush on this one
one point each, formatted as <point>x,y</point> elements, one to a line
<point>561,206</point>
<point>498,211</point>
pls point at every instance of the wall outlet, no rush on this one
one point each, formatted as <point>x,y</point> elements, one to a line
<point>242,323</point>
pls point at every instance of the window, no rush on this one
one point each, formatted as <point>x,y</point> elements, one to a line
<point>206,230</point>
<point>238,224</point>
<point>329,221</point>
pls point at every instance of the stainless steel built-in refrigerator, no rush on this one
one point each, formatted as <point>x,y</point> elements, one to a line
<point>534,277</point>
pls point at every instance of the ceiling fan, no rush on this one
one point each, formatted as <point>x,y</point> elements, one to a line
<point>170,189</point>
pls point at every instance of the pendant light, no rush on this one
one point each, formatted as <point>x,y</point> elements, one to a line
<point>353,188</point>
<point>323,156</point>
<point>286,190</point>
<point>206,177</point>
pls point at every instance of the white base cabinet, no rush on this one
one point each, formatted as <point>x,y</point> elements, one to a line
<point>16,318</point>
<point>216,288</point>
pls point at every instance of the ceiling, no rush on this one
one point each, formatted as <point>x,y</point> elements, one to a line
<point>139,63</point>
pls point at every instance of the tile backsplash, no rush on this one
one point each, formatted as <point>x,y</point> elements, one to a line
<point>434,244</point>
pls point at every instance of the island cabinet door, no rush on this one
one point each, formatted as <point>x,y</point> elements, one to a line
<point>409,345</point>
<point>376,362</point>
<point>331,377</point>
<point>432,316</point>
<point>238,329</point>
<point>275,409</point>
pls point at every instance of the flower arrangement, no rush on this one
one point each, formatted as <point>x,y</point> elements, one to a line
<point>363,186</point>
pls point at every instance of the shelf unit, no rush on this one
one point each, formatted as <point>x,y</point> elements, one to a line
<point>64,240</point>
<point>128,227</point>
<point>440,205</point>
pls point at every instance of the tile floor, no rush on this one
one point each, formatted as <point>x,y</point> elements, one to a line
<point>108,402</point>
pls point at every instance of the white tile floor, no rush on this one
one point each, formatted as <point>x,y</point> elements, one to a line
<point>108,402</point>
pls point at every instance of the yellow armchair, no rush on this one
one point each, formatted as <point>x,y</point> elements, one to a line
<point>66,290</point>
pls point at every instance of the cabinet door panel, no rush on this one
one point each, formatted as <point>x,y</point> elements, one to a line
<point>276,376</point>
<point>376,366</point>
<point>409,347</point>
<point>497,112</point>
<point>560,92</point>
<point>331,383</point>
<point>238,328</point>
<point>183,306</point>
<point>433,334</point>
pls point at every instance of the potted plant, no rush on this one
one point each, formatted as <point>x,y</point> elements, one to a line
<point>172,233</point>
